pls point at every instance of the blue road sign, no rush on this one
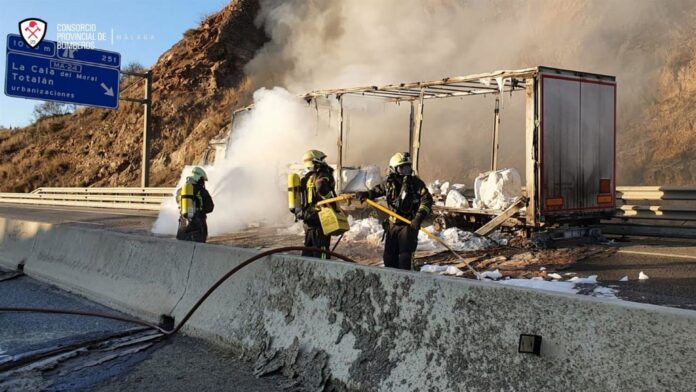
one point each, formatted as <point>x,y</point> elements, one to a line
<point>81,76</point>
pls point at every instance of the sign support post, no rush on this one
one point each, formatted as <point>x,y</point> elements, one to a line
<point>147,124</point>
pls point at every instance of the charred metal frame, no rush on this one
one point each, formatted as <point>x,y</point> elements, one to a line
<point>417,93</point>
<point>496,83</point>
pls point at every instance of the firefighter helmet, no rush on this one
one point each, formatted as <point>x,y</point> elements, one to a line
<point>197,173</point>
<point>398,159</point>
<point>313,157</point>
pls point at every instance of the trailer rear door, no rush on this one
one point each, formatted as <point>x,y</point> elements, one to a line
<point>578,144</point>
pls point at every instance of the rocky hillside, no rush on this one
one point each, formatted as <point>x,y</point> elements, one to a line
<point>196,84</point>
<point>662,149</point>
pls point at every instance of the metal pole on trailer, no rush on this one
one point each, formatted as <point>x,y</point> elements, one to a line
<point>339,166</point>
<point>418,124</point>
<point>496,131</point>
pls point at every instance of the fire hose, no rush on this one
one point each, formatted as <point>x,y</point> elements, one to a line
<point>193,309</point>
<point>219,282</point>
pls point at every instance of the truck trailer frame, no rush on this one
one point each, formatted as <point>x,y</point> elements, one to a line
<point>570,148</point>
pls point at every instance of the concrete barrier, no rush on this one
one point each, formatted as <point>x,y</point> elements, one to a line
<point>17,240</point>
<point>366,328</point>
<point>144,276</point>
<point>369,328</point>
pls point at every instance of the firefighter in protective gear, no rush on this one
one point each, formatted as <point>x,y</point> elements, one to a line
<point>194,204</point>
<point>406,195</point>
<point>317,184</point>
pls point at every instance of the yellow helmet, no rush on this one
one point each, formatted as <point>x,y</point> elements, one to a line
<point>313,156</point>
<point>197,173</point>
<point>398,159</point>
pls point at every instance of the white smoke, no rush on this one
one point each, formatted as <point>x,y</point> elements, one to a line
<point>250,185</point>
<point>318,44</point>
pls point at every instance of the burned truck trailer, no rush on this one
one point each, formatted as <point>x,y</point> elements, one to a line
<point>570,133</point>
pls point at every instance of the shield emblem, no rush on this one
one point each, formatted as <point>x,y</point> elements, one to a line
<point>32,31</point>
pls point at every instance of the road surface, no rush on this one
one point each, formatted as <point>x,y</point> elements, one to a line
<point>179,364</point>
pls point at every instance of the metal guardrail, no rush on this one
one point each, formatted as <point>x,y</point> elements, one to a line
<point>655,193</point>
<point>654,211</point>
<point>637,200</point>
<point>122,198</point>
<point>637,196</point>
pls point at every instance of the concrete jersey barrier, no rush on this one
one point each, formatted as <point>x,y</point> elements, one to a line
<point>143,276</point>
<point>17,240</point>
<point>367,328</point>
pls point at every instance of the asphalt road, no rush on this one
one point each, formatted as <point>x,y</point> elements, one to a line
<point>179,364</point>
<point>126,221</point>
<point>670,265</point>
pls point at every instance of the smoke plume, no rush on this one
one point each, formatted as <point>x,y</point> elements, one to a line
<point>319,44</point>
<point>249,186</point>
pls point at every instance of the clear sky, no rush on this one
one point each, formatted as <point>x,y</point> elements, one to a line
<point>142,30</point>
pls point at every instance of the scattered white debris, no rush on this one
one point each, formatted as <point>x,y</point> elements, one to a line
<point>433,268</point>
<point>562,287</point>
<point>497,189</point>
<point>361,229</point>
<point>442,269</point>
<point>542,268</point>
<point>604,292</point>
<point>456,200</point>
<point>500,238</point>
<point>624,279</point>
<point>592,279</point>
<point>492,275</point>
<point>445,187</point>
<point>643,276</point>
<point>573,286</point>
<point>452,270</point>
<point>456,238</point>
<point>555,276</point>
<point>435,187</point>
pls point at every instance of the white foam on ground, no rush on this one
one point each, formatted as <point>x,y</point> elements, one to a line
<point>458,239</point>
<point>492,275</point>
<point>361,229</point>
<point>592,279</point>
<point>433,268</point>
<point>568,287</point>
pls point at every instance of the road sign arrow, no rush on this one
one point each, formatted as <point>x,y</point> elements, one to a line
<point>108,91</point>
